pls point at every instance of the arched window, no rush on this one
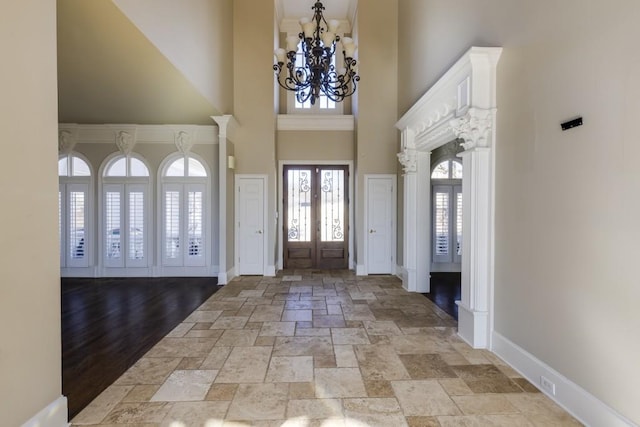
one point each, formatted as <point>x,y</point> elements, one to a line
<point>74,175</point>
<point>184,209</point>
<point>447,169</point>
<point>446,181</point>
<point>125,212</point>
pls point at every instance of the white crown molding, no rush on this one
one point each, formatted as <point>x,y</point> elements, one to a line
<point>141,134</point>
<point>306,122</point>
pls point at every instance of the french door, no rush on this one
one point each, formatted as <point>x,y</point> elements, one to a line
<point>447,228</point>
<point>316,216</point>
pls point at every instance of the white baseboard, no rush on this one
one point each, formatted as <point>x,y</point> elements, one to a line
<point>54,415</point>
<point>361,270</point>
<point>574,399</point>
<point>226,277</point>
<point>270,271</point>
<point>399,270</point>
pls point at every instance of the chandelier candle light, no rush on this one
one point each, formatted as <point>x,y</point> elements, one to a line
<point>317,75</point>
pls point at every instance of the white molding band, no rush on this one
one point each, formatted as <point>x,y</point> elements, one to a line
<point>315,122</point>
<point>54,415</point>
<point>137,134</point>
<point>574,399</point>
<point>462,104</point>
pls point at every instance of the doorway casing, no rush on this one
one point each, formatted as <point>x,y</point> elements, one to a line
<point>461,105</point>
<point>281,165</point>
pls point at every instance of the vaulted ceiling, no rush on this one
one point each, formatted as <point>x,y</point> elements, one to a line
<point>131,61</point>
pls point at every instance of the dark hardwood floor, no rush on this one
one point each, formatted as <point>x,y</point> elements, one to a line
<point>445,291</point>
<point>108,324</point>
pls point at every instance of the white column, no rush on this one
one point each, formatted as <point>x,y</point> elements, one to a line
<point>474,311</point>
<point>417,216</point>
<point>223,122</point>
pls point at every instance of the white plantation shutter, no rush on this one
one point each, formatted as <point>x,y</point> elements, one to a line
<point>113,230</point>
<point>457,257</point>
<point>62,223</point>
<point>194,251</point>
<point>77,233</point>
<point>171,230</point>
<point>137,230</point>
<point>441,226</point>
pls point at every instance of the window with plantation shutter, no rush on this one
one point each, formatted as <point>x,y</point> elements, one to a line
<point>125,187</point>
<point>183,199</point>
<point>446,180</point>
<point>74,229</point>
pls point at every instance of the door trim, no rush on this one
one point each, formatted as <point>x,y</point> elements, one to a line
<point>363,270</point>
<point>280,204</point>
<point>236,236</point>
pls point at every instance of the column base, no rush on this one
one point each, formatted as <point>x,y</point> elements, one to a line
<point>473,326</point>
<point>411,282</point>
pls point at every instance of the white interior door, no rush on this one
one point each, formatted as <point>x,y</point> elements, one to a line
<point>250,225</point>
<point>380,224</point>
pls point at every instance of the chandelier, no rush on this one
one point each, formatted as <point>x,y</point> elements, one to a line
<point>313,72</point>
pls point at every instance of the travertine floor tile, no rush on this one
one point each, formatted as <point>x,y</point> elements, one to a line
<point>245,365</point>
<point>195,413</point>
<point>286,369</point>
<point>185,386</point>
<point>259,402</point>
<point>327,349</point>
<point>424,398</point>
<point>339,382</point>
<point>376,412</point>
<point>102,405</point>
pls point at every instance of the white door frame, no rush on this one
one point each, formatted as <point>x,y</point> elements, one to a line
<point>281,165</point>
<point>462,104</point>
<point>364,270</point>
<point>265,181</point>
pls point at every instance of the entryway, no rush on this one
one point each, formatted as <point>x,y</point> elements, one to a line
<point>316,216</point>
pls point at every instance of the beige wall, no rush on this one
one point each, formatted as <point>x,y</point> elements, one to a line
<point>254,99</point>
<point>30,373</point>
<point>315,145</point>
<point>376,104</point>
<point>567,203</point>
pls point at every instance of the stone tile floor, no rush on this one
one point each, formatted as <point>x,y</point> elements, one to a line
<point>319,348</point>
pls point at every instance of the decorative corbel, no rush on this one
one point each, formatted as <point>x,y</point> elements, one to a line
<point>183,141</point>
<point>66,140</point>
<point>125,141</point>
<point>474,128</point>
<point>408,160</point>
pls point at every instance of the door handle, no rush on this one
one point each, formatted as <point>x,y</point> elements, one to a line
<point>259,232</point>
<point>372,231</point>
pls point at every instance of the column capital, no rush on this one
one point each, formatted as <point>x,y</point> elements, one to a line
<point>474,127</point>
<point>226,125</point>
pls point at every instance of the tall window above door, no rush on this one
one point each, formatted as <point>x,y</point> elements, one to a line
<point>323,105</point>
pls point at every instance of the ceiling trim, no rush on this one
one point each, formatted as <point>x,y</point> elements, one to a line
<point>143,134</point>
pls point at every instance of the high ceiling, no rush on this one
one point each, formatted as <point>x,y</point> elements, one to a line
<point>109,72</point>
